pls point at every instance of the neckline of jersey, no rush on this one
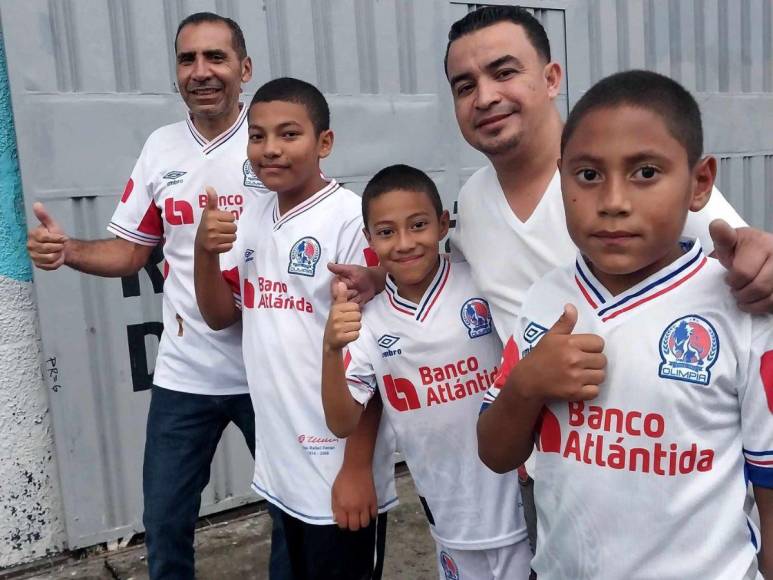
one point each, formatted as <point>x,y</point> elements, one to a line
<point>331,187</point>
<point>207,146</point>
<point>608,307</point>
<point>419,311</point>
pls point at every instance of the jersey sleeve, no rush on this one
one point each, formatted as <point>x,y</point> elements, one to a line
<point>137,217</point>
<point>360,374</point>
<point>697,225</point>
<point>756,398</point>
<point>511,355</point>
<point>353,248</point>
<point>229,268</point>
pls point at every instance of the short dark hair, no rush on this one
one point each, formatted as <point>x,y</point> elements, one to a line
<point>489,15</point>
<point>237,36</point>
<point>290,90</point>
<point>402,177</point>
<point>645,90</point>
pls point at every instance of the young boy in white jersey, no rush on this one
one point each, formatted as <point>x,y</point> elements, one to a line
<point>427,348</point>
<point>280,288</point>
<point>650,399</point>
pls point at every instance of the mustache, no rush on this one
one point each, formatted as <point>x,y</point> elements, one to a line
<point>209,85</point>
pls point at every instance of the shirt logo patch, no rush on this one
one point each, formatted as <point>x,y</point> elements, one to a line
<point>386,342</point>
<point>450,569</point>
<point>476,316</point>
<point>250,179</point>
<point>249,255</point>
<point>174,174</point>
<point>688,349</point>
<point>304,256</point>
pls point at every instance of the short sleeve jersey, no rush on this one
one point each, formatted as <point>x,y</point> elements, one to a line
<point>487,229</point>
<point>652,474</point>
<point>432,363</point>
<point>162,203</point>
<point>281,282</point>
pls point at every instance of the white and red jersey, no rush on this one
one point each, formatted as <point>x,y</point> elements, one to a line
<point>649,479</point>
<point>507,255</point>
<point>432,363</point>
<point>282,284</point>
<point>162,203</point>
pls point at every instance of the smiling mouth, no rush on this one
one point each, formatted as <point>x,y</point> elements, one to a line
<point>204,91</point>
<point>491,120</point>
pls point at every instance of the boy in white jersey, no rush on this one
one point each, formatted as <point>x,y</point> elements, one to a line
<point>644,461</point>
<point>280,289</point>
<point>428,349</point>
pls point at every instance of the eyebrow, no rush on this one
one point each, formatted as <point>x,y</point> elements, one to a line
<point>646,155</point>
<point>214,52</point>
<point>492,66</point>
<point>284,125</point>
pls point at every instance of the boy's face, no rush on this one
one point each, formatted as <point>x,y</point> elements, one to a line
<point>404,230</point>
<point>284,149</point>
<point>627,188</point>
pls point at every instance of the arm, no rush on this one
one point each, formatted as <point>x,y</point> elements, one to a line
<point>562,366</point>
<point>49,248</point>
<point>354,498</point>
<point>216,234</point>
<point>764,498</point>
<point>342,411</point>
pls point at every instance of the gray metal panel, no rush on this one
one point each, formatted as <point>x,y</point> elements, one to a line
<point>91,79</point>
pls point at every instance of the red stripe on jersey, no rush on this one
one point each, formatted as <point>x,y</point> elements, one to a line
<point>249,295</point>
<point>347,359</point>
<point>232,277</point>
<point>151,224</point>
<point>166,269</point>
<point>766,373</point>
<point>549,430</point>
<point>585,293</point>
<point>127,190</point>
<point>510,357</point>
<point>437,293</point>
<point>371,258</point>
<point>758,462</point>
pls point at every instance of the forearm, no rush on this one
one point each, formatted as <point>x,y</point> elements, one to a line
<point>213,294</point>
<point>764,498</point>
<point>109,258</point>
<point>506,429</point>
<point>361,444</point>
<point>342,412</point>
<point>377,276</point>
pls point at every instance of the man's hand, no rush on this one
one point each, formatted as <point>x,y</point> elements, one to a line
<point>343,321</point>
<point>217,229</point>
<point>747,255</point>
<point>362,283</point>
<point>353,497</point>
<point>46,244</point>
<point>563,365</point>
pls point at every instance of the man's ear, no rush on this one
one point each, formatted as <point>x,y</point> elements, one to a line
<point>246,69</point>
<point>325,143</point>
<point>553,73</point>
<point>703,175</point>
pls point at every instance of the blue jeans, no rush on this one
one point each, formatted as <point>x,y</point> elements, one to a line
<point>183,431</point>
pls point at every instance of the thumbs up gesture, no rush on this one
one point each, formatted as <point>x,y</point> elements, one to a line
<point>217,229</point>
<point>563,365</point>
<point>46,243</point>
<point>343,321</point>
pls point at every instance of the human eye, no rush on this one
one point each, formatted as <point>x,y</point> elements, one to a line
<point>291,134</point>
<point>505,73</point>
<point>463,89</point>
<point>587,175</point>
<point>255,137</point>
<point>419,224</point>
<point>646,173</point>
<point>384,232</point>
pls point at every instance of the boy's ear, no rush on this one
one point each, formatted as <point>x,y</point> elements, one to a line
<point>703,175</point>
<point>445,219</point>
<point>366,233</point>
<point>325,143</point>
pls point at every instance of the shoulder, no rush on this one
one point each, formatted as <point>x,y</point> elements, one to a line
<point>347,205</point>
<point>164,138</point>
<point>551,291</point>
<point>483,179</point>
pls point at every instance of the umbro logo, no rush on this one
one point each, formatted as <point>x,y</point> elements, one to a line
<point>174,174</point>
<point>387,341</point>
<point>249,255</point>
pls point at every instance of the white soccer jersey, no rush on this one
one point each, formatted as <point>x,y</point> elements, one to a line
<point>648,480</point>
<point>432,363</point>
<point>163,202</point>
<point>507,255</point>
<point>282,284</point>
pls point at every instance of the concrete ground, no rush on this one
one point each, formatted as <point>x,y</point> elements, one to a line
<point>239,548</point>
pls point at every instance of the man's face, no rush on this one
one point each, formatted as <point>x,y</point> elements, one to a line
<point>500,87</point>
<point>209,71</point>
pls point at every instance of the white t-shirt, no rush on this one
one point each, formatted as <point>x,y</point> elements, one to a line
<point>650,477</point>
<point>432,363</point>
<point>282,284</point>
<point>162,203</point>
<point>507,255</point>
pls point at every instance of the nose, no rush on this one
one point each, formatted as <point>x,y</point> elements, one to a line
<point>200,70</point>
<point>271,147</point>
<point>405,241</point>
<point>488,94</point>
<point>614,200</point>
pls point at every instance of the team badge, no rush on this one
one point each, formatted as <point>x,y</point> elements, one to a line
<point>476,317</point>
<point>250,179</point>
<point>304,256</point>
<point>450,569</point>
<point>688,349</point>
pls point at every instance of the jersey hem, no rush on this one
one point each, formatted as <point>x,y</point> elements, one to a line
<point>201,391</point>
<point>487,544</point>
<point>131,236</point>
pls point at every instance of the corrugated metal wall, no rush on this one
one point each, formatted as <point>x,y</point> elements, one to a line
<point>91,79</point>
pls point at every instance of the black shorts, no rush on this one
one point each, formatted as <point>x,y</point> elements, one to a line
<point>330,553</point>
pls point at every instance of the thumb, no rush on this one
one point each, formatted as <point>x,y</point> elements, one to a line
<point>339,293</point>
<point>45,219</point>
<point>567,320</point>
<point>211,199</point>
<point>725,239</point>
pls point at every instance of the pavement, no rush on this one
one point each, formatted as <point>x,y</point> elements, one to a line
<point>239,548</point>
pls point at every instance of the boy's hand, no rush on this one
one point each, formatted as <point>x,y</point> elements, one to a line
<point>343,322</point>
<point>358,280</point>
<point>353,498</point>
<point>217,229</point>
<point>46,243</point>
<point>563,365</point>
